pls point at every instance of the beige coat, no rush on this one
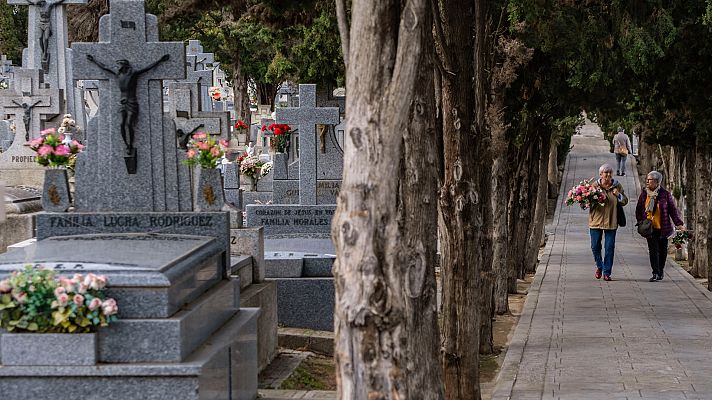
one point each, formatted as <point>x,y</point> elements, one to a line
<point>606,217</point>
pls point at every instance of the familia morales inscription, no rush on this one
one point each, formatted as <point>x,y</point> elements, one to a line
<point>278,219</point>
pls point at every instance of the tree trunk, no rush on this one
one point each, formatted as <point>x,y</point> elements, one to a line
<point>689,196</point>
<point>553,171</point>
<point>702,217</point>
<point>242,98</point>
<point>386,337</point>
<point>500,240</point>
<point>266,93</point>
<point>523,192</point>
<point>542,195</point>
<point>465,209</point>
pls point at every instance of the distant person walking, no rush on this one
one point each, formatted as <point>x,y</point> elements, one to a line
<point>622,147</point>
<point>603,221</point>
<point>656,204</point>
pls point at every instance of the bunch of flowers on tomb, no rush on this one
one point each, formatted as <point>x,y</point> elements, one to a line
<point>4,85</point>
<point>281,133</point>
<point>205,151</point>
<point>681,237</point>
<point>240,126</point>
<point>586,195</point>
<point>242,157</point>
<point>267,168</point>
<point>215,93</point>
<point>251,167</point>
<point>54,149</point>
<point>36,300</point>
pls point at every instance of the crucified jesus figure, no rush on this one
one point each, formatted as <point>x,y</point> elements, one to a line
<point>128,105</point>
<point>45,25</point>
<point>27,115</point>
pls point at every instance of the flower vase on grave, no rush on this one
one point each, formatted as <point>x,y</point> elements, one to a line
<point>55,193</point>
<point>209,192</point>
<point>253,184</point>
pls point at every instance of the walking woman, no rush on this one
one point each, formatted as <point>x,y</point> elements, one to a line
<point>603,221</point>
<point>656,204</point>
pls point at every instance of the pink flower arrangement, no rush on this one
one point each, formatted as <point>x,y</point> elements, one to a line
<point>205,151</point>
<point>52,151</point>
<point>586,195</point>
<point>33,300</point>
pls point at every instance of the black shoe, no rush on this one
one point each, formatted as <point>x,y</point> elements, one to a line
<point>623,174</point>
<point>653,278</point>
<point>660,277</point>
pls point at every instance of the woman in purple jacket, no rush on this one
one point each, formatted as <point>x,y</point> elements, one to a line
<point>657,205</point>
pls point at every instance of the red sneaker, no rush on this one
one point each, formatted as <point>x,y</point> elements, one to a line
<point>598,273</point>
<point>607,278</point>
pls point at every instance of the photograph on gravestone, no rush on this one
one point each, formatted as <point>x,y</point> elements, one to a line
<point>130,150</point>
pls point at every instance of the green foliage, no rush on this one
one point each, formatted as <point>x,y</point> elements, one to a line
<point>13,31</point>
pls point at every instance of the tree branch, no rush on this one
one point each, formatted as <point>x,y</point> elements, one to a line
<point>344,29</point>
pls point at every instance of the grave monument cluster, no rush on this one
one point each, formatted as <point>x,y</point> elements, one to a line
<point>178,274</point>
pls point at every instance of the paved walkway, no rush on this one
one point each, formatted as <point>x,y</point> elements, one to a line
<point>582,338</point>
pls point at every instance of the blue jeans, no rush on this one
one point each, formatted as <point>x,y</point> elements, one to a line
<point>620,163</point>
<point>606,263</point>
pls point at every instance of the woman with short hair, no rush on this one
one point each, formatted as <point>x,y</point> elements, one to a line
<point>603,221</point>
<point>656,204</point>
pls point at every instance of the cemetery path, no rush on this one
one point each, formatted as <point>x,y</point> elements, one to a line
<point>582,338</point>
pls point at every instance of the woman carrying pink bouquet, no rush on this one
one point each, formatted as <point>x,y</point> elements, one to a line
<point>603,221</point>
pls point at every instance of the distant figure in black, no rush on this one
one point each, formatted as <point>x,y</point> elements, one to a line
<point>128,80</point>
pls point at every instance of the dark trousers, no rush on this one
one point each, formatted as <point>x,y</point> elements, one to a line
<point>657,250</point>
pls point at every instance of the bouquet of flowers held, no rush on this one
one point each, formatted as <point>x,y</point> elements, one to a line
<point>586,195</point>
<point>34,300</point>
<point>680,238</point>
<point>281,133</point>
<point>205,151</point>
<point>53,149</point>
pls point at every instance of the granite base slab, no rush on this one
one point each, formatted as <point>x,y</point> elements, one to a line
<point>305,303</point>
<point>171,339</point>
<point>280,219</point>
<point>284,265</point>
<point>223,368</point>
<point>48,348</point>
<point>165,271</point>
<point>256,198</point>
<point>213,224</point>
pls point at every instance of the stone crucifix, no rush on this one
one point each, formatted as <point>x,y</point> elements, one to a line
<point>47,30</point>
<point>307,116</point>
<point>29,101</point>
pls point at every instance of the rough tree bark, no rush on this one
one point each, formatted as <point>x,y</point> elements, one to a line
<point>689,195</point>
<point>542,195</point>
<point>553,171</point>
<point>465,208</point>
<point>386,336</point>
<point>703,174</point>
<point>242,98</point>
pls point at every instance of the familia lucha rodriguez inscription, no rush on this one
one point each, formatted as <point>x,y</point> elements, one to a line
<point>130,221</point>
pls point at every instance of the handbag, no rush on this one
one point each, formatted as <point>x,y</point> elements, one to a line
<point>645,228</point>
<point>623,150</point>
<point>621,214</point>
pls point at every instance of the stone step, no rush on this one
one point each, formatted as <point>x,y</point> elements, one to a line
<point>171,339</point>
<point>224,367</point>
<point>293,264</point>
